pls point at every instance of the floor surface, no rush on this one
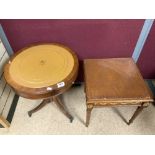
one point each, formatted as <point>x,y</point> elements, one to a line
<point>50,120</point>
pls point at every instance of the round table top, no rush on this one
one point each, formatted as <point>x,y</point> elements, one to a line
<point>41,65</point>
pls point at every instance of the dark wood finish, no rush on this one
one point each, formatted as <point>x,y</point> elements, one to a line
<point>114,81</point>
<point>88,113</point>
<point>40,106</point>
<point>136,113</point>
<point>43,93</point>
<point>62,107</point>
<point>57,101</point>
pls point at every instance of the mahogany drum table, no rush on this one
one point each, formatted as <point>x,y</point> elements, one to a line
<point>113,82</point>
<point>42,71</point>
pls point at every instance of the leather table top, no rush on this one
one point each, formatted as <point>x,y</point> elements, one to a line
<point>41,66</point>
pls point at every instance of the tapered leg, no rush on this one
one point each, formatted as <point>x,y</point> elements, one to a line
<point>62,108</point>
<point>40,106</point>
<point>88,113</point>
<point>136,113</point>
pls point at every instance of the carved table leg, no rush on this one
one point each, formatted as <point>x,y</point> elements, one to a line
<point>62,108</point>
<point>89,109</point>
<point>136,113</point>
<point>41,105</point>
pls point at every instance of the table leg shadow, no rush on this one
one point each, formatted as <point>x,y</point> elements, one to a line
<point>115,110</point>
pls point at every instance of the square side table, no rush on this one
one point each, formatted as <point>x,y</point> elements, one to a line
<point>113,82</point>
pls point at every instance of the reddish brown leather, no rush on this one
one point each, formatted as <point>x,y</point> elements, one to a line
<point>116,79</point>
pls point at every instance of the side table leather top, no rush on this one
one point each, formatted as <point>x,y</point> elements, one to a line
<point>38,67</point>
<point>42,71</point>
<point>112,82</point>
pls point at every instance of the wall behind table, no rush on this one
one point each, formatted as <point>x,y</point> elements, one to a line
<point>146,60</point>
<point>88,38</point>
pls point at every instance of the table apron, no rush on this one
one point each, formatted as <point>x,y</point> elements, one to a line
<point>144,104</point>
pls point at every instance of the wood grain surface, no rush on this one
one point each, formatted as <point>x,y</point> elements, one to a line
<point>115,80</point>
